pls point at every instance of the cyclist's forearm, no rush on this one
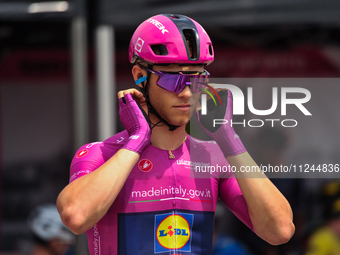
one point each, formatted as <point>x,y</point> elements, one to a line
<point>85,201</point>
<point>269,211</point>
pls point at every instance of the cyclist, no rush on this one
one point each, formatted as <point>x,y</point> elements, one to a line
<point>139,192</point>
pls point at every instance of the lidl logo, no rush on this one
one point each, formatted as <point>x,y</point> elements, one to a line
<point>173,232</point>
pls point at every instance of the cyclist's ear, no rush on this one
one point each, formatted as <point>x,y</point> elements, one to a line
<point>137,73</point>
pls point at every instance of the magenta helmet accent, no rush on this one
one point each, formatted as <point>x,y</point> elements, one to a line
<point>161,40</point>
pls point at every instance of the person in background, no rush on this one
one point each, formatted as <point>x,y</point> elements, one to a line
<point>325,240</point>
<point>224,242</point>
<point>51,237</point>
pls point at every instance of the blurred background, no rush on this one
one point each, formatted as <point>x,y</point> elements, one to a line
<point>62,63</point>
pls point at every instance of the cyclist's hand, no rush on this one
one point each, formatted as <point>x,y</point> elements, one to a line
<point>224,134</point>
<point>137,96</point>
<point>133,114</point>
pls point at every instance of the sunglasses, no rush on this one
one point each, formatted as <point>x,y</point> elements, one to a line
<point>176,82</point>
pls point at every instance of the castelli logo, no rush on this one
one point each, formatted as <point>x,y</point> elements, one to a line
<point>82,153</point>
<point>145,165</point>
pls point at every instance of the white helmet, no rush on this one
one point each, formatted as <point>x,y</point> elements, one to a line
<point>45,222</point>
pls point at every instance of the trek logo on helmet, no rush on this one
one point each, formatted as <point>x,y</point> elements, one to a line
<point>158,25</point>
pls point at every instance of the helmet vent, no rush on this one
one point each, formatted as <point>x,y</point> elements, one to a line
<point>191,42</point>
<point>159,49</point>
<point>210,49</point>
<point>174,17</point>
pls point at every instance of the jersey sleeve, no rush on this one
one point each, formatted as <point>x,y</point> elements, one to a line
<point>91,156</point>
<point>231,195</point>
<point>87,159</point>
<point>228,189</point>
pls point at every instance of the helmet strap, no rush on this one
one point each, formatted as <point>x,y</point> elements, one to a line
<point>151,109</point>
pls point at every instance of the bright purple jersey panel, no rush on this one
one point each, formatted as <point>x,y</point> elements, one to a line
<point>162,208</point>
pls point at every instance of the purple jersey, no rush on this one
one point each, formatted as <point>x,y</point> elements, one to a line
<point>162,208</point>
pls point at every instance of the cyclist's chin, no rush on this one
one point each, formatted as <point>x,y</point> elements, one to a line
<point>179,120</point>
<point>176,118</point>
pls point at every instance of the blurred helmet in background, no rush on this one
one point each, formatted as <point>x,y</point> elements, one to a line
<point>45,222</point>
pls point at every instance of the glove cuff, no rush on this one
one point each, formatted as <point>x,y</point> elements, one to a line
<point>137,143</point>
<point>231,146</point>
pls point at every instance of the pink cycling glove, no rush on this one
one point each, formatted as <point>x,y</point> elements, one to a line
<point>224,134</point>
<point>136,122</point>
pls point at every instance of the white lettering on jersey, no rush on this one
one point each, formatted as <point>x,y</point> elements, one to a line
<point>191,163</point>
<point>119,141</point>
<point>91,144</point>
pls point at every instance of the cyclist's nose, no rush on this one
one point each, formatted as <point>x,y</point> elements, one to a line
<point>186,92</point>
